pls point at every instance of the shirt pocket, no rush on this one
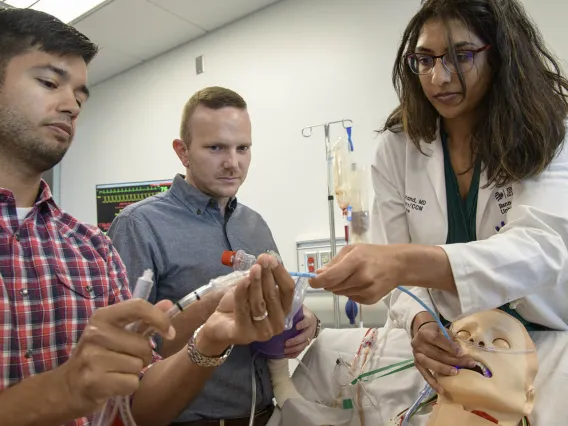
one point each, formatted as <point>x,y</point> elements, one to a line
<point>74,301</point>
<point>91,288</point>
<point>84,276</point>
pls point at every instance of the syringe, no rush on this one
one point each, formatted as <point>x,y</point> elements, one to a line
<point>224,282</point>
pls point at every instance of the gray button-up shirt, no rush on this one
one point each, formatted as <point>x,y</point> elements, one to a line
<point>181,234</point>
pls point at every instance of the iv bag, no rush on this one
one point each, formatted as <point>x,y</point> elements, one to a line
<point>359,201</point>
<point>341,173</point>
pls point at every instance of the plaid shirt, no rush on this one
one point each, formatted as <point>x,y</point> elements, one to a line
<point>54,272</point>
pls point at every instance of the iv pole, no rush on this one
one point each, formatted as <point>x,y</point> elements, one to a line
<point>307,132</point>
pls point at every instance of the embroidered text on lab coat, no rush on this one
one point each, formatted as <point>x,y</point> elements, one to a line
<point>504,196</point>
<point>412,204</point>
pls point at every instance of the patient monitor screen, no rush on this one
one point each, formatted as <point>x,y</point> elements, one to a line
<point>112,198</point>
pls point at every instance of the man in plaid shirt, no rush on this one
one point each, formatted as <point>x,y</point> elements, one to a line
<point>64,349</point>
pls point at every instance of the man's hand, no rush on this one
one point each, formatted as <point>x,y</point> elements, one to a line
<point>108,359</point>
<point>433,353</point>
<point>297,344</point>
<point>253,311</point>
<point>363,272</point>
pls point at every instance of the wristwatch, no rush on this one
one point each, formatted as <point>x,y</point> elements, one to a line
<point>318,327</point>
<point>202,360</point>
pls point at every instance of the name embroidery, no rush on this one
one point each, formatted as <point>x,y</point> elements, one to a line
<point>411,204</point>
<point>504,198</point>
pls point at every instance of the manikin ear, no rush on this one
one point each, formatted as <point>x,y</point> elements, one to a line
<point>180,147</point>
<point>529,404</point>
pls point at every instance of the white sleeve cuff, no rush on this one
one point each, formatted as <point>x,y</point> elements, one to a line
<point>452,306</point>
<point>404,308</point>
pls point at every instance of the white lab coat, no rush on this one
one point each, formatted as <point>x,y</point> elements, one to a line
<point>524,263</point>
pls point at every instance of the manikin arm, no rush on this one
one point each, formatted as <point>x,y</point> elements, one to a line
<point>282,384</point>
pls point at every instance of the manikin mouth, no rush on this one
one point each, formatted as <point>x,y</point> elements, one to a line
<point>481,369</point>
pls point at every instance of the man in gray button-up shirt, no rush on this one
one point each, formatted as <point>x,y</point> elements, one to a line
<point>181,234</point>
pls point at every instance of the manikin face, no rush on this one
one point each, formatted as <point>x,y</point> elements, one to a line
<point>40,100</point>
<point>502,381</point>
<point>218,156</point>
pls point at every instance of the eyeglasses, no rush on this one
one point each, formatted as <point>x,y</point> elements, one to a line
<point>421,63</point>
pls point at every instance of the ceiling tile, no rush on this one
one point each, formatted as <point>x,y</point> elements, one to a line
<point>108,63</point>
<point>212,14</point>
<point>138,28</point>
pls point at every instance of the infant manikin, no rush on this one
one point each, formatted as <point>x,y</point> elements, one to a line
<point>499,390</point>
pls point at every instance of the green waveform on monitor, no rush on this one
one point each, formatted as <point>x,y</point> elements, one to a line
<point>125,198</point>
<point>113,191</point>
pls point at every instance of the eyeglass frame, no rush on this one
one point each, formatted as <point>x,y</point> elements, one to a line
<point>436,57</point>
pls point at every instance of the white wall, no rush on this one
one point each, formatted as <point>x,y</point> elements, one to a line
<point>296,63</point>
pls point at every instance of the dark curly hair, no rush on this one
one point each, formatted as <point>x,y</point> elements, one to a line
<point>520,124</point>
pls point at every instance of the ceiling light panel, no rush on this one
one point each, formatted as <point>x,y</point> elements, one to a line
<point>65,10</point>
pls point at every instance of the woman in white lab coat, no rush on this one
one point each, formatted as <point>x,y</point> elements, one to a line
<point>470,180</point>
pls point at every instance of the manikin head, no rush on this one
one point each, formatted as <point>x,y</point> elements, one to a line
<point>502,384</point>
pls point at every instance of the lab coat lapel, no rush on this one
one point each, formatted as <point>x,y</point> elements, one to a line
<point>435,171</point>
<point>483,196</point>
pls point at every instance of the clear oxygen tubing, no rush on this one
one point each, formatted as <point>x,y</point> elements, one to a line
<point>506,351</point>
<point>427,389</point>
<point>253,403</point>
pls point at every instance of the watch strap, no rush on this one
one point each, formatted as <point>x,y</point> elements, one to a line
<point>202,360</point>
<point>318,328</point>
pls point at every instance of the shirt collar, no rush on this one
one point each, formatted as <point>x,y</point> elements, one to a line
<point>194,198</point>
<point>44,195</point>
